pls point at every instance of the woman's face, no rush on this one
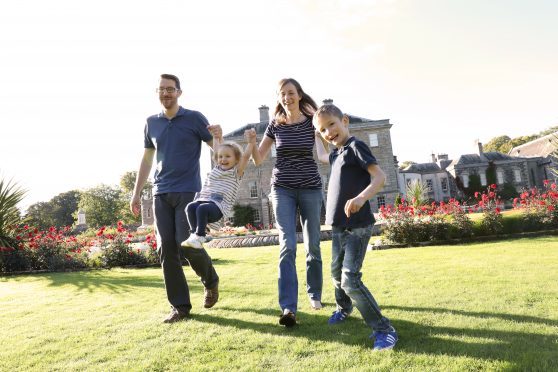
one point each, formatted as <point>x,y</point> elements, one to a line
<point>289,97</point>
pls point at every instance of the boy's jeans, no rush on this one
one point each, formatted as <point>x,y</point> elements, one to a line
<point>348,251</point>
<point>285,204</point>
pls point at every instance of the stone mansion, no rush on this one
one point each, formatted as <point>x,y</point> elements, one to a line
<point>255,186</point>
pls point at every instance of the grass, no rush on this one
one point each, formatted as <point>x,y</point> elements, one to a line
<point>490,306</point>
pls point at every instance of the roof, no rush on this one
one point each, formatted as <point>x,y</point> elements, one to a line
<point>422,168</point>
<point>488,157</point>
<point>543,146</point>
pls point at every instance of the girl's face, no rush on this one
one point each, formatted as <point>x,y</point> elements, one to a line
<point>289,97</point>
<point>226,158</point>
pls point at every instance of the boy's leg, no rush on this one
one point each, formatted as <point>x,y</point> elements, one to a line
<point>356,241</point>
<point>310,204</point>
<point>343,301</point>
<point>284,209</point>
<point>207,212</point>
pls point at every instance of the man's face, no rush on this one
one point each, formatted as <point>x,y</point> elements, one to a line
<point>168,94</point>
<point>333,129</point>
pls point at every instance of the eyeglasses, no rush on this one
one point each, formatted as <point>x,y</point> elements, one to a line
<point>167,89</point>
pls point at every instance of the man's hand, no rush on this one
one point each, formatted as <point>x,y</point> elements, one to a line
<point>354,205</point>
<point>215,130</point>
<point>135,205</point>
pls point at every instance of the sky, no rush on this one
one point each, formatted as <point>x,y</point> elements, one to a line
<point>78,78</point>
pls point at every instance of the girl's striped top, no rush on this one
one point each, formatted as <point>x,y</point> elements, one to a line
<point>221,188</point>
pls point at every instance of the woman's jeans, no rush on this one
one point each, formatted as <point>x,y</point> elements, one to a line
<point>348,250</point>
<point>286,202</point>
<point>200,213</point>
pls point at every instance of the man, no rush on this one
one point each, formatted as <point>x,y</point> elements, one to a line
<point>175,137</point>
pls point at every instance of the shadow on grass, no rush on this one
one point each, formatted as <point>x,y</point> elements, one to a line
<point>104,280</point>
<point>524,350</point>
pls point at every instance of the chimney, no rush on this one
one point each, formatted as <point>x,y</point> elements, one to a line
<point>433,158</point>
<point>264,114</point>
<point>327,101</point>
<point>479,145</point>
<point>442,156</point>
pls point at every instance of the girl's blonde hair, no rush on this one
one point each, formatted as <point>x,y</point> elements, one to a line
<point>235,147</point>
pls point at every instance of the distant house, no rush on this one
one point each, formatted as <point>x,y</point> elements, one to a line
<point>255,186</point>
<point>521,172</point>
<point>439,183</point>
<point>543,148</point>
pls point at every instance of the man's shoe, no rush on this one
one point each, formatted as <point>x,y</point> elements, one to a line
<point>338,316</point>
<point>176,315</point>
<point>288,318</point>
<point>385,340</point>
<point>211,297</point>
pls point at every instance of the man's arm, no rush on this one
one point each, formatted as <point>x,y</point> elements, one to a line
<point>376,184</point>
<point>216,132</point>
<point>143,173</point>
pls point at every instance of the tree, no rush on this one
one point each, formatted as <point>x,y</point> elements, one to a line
<point>58,211</point>
<point>243,215</point>
<point>128,181</point>
<point>39,215</point>
<point>10,196</point>
<point>406,163</point>
<point>474,186</point>
<point>500,144</point>
<point>102,205</point>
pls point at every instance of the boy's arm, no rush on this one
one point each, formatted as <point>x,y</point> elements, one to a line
<point>321,149</point>
<point>376,184</point>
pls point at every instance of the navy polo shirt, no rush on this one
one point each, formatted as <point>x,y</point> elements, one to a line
<point>348,177</point>
<point>178,144</point>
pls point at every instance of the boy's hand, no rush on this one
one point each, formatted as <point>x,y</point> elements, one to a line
<point>250,135</point>
<point>215,130</point>
<point>354,205</point>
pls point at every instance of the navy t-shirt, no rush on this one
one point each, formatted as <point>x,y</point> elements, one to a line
<point>295,167</point>
<point>178,143</point>
<point>348,177</point>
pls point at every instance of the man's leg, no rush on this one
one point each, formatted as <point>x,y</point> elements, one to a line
<point>175,281</point>
<point>198,258</point>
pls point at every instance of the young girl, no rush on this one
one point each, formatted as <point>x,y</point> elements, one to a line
<point>217,196</point>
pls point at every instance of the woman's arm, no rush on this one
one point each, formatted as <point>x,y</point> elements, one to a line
<point>260,153</point>
<point>321,149</point>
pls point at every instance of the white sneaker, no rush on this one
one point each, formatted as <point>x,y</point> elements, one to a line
<point>191,242</point>
<point>316,305</point>
<point>197,241</point>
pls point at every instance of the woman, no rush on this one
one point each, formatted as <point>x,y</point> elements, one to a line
<point>295,186</point>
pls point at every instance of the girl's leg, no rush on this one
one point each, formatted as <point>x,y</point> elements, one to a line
<point>206,212</point>
<point>191,215</point>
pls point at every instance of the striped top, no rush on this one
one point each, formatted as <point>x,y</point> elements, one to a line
<point>295,167</point>
<point>221,188</point>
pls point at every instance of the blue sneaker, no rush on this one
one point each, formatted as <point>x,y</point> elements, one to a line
<point>337,317</point>
<point>385,340</point>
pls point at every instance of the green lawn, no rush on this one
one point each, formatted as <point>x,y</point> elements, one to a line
<point>490,306</point>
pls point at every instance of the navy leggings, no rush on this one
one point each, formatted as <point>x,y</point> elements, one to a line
<point>200,213</point>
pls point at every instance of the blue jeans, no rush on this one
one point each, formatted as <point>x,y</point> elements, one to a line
<point>285,205</point>
<point>200,213</point>
<point>348,251</point>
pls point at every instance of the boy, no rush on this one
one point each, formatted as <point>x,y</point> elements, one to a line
<point>348,212</point>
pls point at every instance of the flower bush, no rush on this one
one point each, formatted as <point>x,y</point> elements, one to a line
<point>489,203</point>
<point>540,207</point>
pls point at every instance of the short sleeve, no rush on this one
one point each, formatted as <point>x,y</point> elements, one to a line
<point>147,143</point>
<point>270,130</point>
<point>363,155</point>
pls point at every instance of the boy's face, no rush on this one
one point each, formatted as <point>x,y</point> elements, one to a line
<point>333,129</point>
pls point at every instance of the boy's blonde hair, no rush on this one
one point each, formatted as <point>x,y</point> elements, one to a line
<point>235,147</point>
<point>328,109</point>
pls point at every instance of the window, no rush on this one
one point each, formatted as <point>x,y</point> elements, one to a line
<point>429,185</point>
<point>381,201</point>
<point>253,189</point>
<point>517,175</point>
<point>483,179</point>
<point>373,138</point>
<point>257,217</point>
<point>273,151</point>
<point>500,176</point>
<point>444,184</point>
<point>465,180</point>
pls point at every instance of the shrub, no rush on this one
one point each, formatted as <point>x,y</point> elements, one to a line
<point>10,196</point>
<point>116,248</point>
